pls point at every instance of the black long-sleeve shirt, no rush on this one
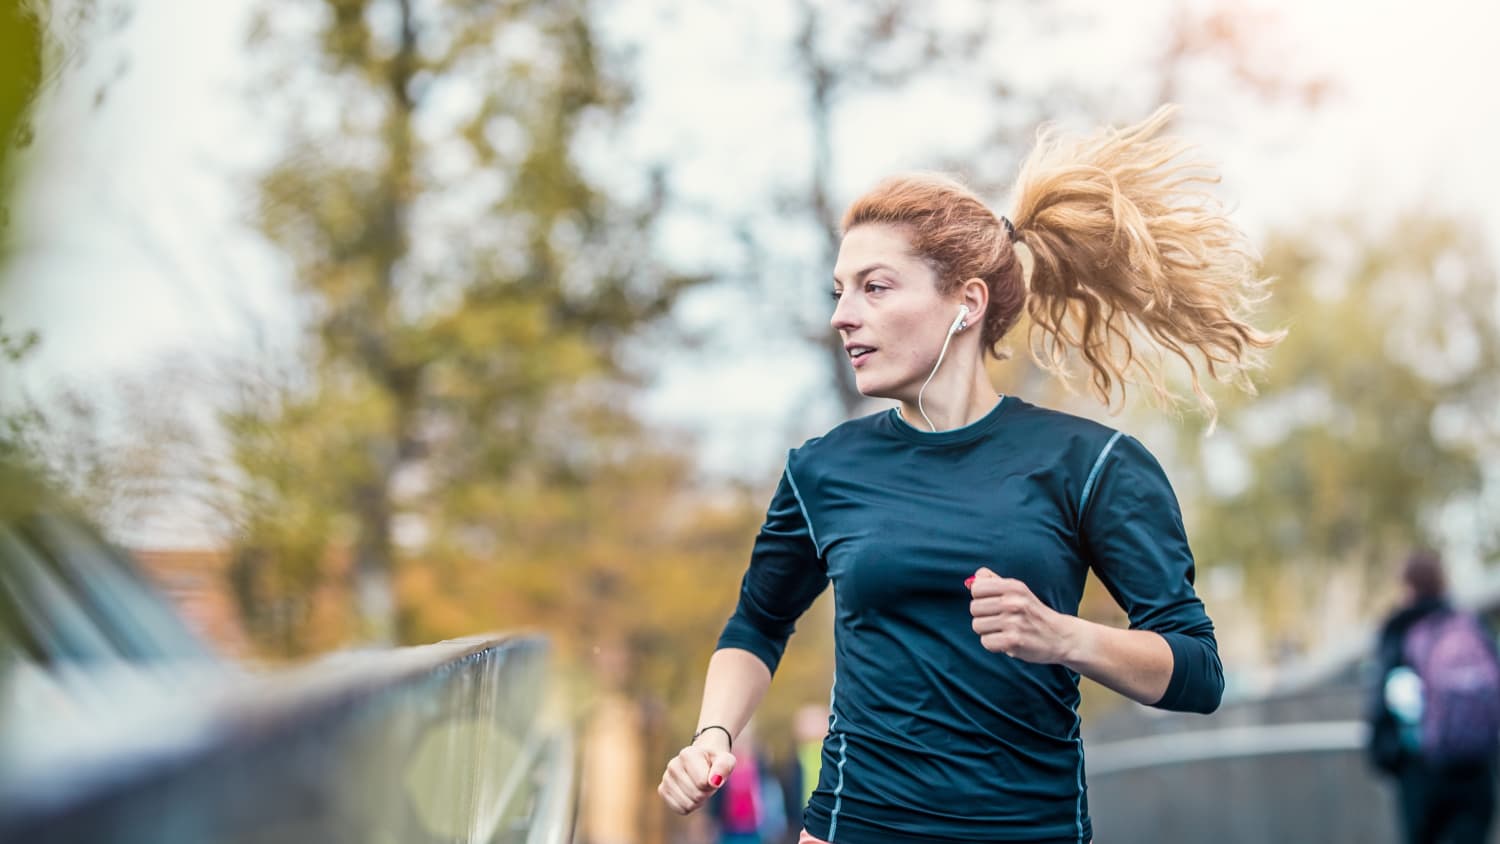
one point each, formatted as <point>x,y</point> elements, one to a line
<point>931,737</point>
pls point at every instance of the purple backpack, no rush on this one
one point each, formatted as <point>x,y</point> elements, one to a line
<point>1460,687</point>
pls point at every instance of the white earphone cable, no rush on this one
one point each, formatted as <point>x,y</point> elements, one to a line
<point>957,326</point>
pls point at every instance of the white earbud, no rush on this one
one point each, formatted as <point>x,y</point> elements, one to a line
<point>960,322</point>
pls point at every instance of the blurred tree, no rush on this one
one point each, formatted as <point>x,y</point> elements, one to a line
<point>24,54</point>
<point>20,77</point>
<point>287,516</point>
<point>471,286</point>
<point>1377,412</point>
<point>41,44</point>
<point>122,458</point>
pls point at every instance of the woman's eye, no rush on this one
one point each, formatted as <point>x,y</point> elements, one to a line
<point>836,294</point>
<point>871,287</point>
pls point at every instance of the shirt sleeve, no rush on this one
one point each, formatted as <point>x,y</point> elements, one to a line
<point>1133,533</point>
<point>785,576</point>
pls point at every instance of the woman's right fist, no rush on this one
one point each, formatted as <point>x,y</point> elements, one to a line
<point>692,776</point>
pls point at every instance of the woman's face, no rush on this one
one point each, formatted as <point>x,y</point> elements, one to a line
<point>888,312</point>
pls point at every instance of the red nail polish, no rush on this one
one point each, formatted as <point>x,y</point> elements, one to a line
<point>969,584</point>
<point>716,781</point>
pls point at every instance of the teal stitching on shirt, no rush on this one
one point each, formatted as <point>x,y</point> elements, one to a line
<point>1083,501</point>
<point>811,534</point>
<point>1078,737</point>
<point>1088,485</point>
<point>838,790</point>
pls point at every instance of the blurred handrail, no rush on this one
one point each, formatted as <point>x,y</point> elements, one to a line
<point>1225,743</point>
<point>359,718</point>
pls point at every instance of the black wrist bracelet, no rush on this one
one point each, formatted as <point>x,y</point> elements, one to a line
<point>727,736</point>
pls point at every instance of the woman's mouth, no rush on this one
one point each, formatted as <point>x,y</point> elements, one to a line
<point>859,355</point>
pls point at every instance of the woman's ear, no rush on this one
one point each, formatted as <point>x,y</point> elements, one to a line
<point>976,296</point>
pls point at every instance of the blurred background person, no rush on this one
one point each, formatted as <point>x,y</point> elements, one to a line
<point>749,808</point>
<point>1435,710</point>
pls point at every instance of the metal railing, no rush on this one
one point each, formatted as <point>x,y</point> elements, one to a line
<point>1288,765</point>
<point>444,742</point>
<point>118,725</point>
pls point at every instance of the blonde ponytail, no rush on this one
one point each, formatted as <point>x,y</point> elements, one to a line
<point>1131,257</point>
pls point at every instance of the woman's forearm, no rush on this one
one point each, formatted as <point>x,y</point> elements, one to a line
<point>737,681</point>
<point>1135,663</point>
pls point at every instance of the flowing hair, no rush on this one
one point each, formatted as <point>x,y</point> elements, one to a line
<point>1130,257</point>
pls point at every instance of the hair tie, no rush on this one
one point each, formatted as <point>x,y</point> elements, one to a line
<point>1009,228</point>
<point>715,727</point>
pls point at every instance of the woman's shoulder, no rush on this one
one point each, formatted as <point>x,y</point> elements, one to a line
<point>1050,429</point>
<point>1086,448</point>
<point>1059,420</point>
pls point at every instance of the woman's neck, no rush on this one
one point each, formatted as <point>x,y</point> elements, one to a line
<point>962,399</point>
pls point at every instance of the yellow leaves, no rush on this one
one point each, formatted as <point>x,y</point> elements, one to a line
<point>346,34</point>
<point>346,283</point>
<point>1344,466</point>
<point>505,325</point>
<point>23,39</point>
<point>431,610</point>
<point>630,558</point>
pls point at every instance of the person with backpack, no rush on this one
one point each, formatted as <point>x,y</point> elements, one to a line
<point>1435,711</point>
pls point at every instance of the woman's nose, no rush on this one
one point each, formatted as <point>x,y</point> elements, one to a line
<point>844,318</point>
